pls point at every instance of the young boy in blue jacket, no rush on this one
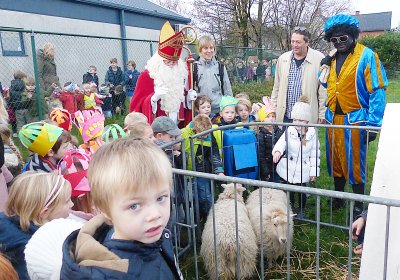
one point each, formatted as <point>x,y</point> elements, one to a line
<point>130,182</point>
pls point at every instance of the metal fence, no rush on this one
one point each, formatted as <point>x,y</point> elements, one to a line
<point>319,216</point>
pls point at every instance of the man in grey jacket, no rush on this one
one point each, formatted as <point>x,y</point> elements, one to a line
<point>296,75</point>
<point>211,77</point>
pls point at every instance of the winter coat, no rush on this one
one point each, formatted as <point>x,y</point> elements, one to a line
<point>12,242</point>
<point>300,161</point>
<point>47,71</point>
<point>89,78</point>
<point>130,83</point>
<point>266,142</point>
<point>71,101</point>
<point>34,105</point>
<point>115,78</point>
<point>89,253</point>
<point>17,100</point>
<point>209,83</point>
<point>207,157</point>
<point>310,85</point>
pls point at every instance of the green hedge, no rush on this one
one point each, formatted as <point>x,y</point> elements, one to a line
<point>387,46</point>
<point>255,90</point>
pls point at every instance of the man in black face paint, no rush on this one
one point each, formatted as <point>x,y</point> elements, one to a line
<point>356,83</point>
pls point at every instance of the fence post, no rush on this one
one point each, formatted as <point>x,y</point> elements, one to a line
<point>151,49</point>
<point>123,38</point>
<point>36,75</point>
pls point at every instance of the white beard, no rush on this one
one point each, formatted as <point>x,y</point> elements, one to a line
<point>173,78</point>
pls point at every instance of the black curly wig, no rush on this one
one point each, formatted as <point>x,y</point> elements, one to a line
<point>350,30</point>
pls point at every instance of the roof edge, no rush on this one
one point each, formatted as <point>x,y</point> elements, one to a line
<point>137,10</point>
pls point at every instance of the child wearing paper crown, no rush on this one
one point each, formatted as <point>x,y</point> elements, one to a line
<point>48,143</point>
<point>301,162</point>
<point>71,98</point>
<point>131,184</point>
<point>268,135</point>
<point>35,199</point>
<point>91,125</point>
<point>227,114</point>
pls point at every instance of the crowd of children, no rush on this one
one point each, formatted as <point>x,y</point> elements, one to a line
<point>118,174</point>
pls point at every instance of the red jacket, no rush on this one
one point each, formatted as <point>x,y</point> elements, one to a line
<point>71,101</point>
<point>141,101</point>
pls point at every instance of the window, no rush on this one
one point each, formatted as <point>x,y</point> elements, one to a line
<point>12,43</point>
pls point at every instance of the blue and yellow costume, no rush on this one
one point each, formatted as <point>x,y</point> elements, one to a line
<point>359,89</point>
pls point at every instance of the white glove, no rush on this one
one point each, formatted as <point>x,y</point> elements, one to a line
<point>191,95</point>
<point>158,92</point>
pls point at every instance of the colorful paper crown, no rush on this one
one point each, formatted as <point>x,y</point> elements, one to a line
<point>90,124</point>
<point>113,132</point>
<point>266,109</point>
<point>73,167</point>
<point>227,101</point>
<point>170,43</point>
<point>39,137</point>
<point>62,117</point>
<point>340,19</point>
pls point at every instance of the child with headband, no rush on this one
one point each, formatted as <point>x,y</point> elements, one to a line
<point>34,199</point>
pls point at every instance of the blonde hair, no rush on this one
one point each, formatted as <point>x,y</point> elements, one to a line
<point>136,131</point>
<point>242,96</point>
<point>29,194</point>
<point>48,50</point>
<point>29,81</point>
<point>133,118</point>
<point>244,102</point>
<point>3,112</point>
<point>201,123</point>
<point>7,270</point>
<point>205,41</point>
<point>126,165</point>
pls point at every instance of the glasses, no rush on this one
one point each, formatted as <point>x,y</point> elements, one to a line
<point>340,39</point>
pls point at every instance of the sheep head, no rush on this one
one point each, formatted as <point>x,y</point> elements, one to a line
<point>230,190</point>
<point>278,221</point>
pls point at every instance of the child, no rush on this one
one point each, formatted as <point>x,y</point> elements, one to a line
<point>243,109</point>
<point>118,100</point>
<point>90,124</point>
<point>132,118</point>
<point>106,107</point>
<point>207,158</point>
<point>112,132</point>
<point>5,174</point>
<point>90,97</point>
<point>16,102</point>
<point>48,142</point>
<point>7,270</point>
<point>62,117</point>
<point>141,130</point>
<point>268,135</point>
<point>227,114</point>
<point>165,131</point>
<point>30,95</point>
<point>301,145</point>
<point>73,167</point>
<point>91,76</point>
<point>254,108</point>
<point>35,198</point>
<point>131,184</point>
<point>130,79</point>
<point>71,98</point>
<point>202,105</point>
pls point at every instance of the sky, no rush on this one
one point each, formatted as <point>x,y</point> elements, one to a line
<point>376,6</point>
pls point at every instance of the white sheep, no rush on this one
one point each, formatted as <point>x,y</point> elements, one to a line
<point>274,212</point>
<point>226,237</point>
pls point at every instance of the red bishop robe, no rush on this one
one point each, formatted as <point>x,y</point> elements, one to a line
<point>141,101</point>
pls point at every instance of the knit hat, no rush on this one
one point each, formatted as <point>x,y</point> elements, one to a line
<point>227,101</point>
<point>39,137</point>
<point>266,109</point>
<point>302,109</point>
<point>43,253</point>
<point>165,124</point>
<point>340,19</point>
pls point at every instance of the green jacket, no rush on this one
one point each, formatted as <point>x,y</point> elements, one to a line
<point>34,105</point>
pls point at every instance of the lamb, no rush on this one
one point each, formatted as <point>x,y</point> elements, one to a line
<point>274,221</point>
<point>226,237</point>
